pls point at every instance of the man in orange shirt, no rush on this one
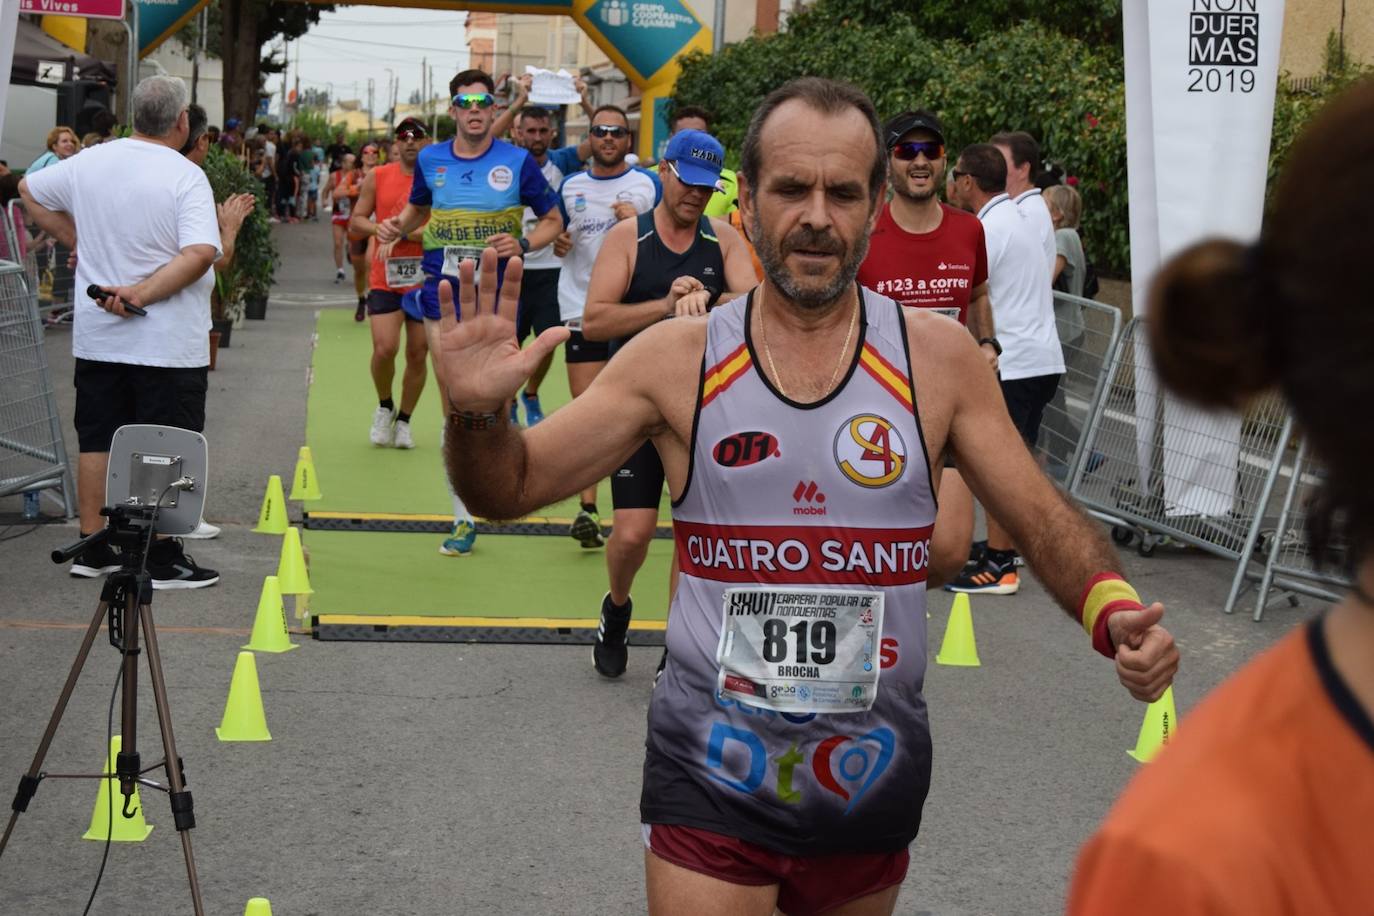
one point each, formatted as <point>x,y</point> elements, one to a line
<point>1264,804</point>
<point>395,271</point>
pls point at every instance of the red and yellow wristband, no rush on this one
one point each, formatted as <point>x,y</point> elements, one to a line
<point>1106,594</point>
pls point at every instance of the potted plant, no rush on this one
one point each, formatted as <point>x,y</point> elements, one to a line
<point>241,287</point>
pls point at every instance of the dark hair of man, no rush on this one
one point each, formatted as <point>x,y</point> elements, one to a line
<point>690,111</point>
<point>1229,321</point>
<point>198,120</point>
<point>537,112</point>
<point>827,97</point>
<point>983,163</point>
<point>9,186</point>
<point>468,78</point>
<point>616,108</point>
<point>1023,149</point>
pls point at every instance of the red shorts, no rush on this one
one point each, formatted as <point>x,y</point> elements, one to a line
<point>807,885</point>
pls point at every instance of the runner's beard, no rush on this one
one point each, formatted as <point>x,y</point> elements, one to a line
<point>606,160</point>
<point>773,257</point>
<point>904,189</point>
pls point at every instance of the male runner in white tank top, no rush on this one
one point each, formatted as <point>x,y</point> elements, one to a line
<point>782,771</point>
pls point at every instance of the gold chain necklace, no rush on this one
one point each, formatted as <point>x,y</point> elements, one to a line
<point>844,349</point>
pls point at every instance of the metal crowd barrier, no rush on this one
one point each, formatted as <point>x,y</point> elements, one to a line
<point>1088,332</point>
<point>1209,475</point>
<point>1288,564</point>
<point>33,456</point>
<point>49,280</point>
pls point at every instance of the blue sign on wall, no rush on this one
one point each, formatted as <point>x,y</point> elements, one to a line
<point>648,32</point>
<point>159,20</point>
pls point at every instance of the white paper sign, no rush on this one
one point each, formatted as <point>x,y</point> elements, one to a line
<point>50,72</point>
<point>550,88</point>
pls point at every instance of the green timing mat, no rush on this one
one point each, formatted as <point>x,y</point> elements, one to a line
<point>373,544</point>
<point>366,488</point>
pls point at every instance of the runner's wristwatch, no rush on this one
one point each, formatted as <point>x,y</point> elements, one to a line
<point>524,245</point>
<point>996,346</point>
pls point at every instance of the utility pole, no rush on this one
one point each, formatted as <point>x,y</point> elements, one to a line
<point>434,118</point>
<point>424,90</point>
<point>201,22</point>
<point>370,84</point>
<point>298,75</point>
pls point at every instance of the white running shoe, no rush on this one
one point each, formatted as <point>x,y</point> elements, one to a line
<point>204,531</point>
<point>383,429</point>
<point>338,275</point>
<point>403,438</point>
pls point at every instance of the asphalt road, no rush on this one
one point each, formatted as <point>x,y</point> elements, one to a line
<point>489,779</point>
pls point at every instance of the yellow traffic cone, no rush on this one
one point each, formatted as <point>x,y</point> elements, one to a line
<point>244,719</point>
<point>1161,721</point>
<point>258,906</point>
<point>269,626</point>
<point>959,647</point>
<point>272,516</point>
<point>291,574</point>
<point>305,485</point>
<point>126,829</point>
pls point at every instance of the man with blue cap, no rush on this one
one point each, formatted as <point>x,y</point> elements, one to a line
<point>673,261</point>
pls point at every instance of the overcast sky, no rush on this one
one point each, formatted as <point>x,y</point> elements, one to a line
<point>357,42</point>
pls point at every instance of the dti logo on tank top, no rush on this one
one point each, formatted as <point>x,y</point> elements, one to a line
<point>870,451</point>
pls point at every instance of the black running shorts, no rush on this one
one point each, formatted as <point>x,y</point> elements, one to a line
<point>638,484</point>
<point>1026,399</point>
<point>538,303</point>
<point>111,395</point>
<point>581,350</point>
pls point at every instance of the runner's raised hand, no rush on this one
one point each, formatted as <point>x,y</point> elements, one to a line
<point>481,360</point>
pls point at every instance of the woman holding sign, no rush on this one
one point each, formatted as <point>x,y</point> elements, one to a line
<point>395,271</point>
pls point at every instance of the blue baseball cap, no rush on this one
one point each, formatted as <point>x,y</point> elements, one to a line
<point>698,156</point>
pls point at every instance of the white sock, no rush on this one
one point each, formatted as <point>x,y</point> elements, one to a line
<point>460,511</point>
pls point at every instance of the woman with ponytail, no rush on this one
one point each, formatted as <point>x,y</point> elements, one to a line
<point>1264,803</point>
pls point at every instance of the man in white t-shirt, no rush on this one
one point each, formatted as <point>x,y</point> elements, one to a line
<point>592,202</point>
<point>1022,155</point>
<point>1031,361</point>
<point>538,309</point>
<point>142,220</point>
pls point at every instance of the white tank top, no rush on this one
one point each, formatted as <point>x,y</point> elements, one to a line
<point>790,712</point>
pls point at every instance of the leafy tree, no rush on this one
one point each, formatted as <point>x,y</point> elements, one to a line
<point>244,27</point>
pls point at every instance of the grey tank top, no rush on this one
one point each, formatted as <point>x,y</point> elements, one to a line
<point>831,500</point>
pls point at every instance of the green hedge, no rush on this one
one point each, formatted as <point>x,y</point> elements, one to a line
<point>1068,93</point>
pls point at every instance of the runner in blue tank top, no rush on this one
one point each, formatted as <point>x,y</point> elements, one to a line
<point>473,192</point>
<point>802,430</point>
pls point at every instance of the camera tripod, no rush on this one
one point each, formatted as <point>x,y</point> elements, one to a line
<point>126,600</point>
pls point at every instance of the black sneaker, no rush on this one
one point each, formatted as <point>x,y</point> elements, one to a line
<point>976,551</point>
<point>96,561</point>
<point>610,654</point>
<point>172,567</point>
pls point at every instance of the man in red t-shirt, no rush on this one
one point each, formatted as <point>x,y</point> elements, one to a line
<point>924,253</point>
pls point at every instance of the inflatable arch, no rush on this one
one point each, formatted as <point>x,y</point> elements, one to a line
<point>644,38</point>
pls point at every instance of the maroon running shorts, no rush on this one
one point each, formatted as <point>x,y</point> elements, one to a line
<point>807,885</point>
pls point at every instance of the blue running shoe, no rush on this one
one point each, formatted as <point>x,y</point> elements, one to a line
<point>533,412</point>
<point>459,543</point>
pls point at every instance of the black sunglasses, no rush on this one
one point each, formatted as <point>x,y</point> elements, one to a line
<point>906,151</point>
<point>610,130</point>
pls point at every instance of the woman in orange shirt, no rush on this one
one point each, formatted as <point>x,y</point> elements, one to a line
<point>1264,803</point>
<point>342,191</point>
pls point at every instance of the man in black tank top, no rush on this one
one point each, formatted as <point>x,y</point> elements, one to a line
<point>672,261</point>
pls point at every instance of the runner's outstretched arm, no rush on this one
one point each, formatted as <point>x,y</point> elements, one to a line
<point>1067,552</point>
<point>498,470</point>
